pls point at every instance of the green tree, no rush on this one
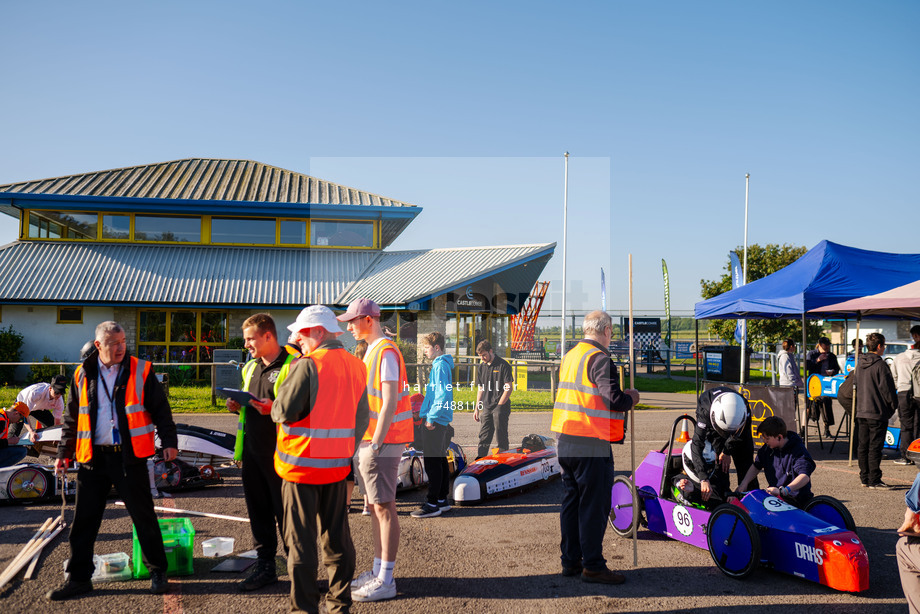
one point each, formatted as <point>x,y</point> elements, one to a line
<point>762,261</point>
<point>10,346</point>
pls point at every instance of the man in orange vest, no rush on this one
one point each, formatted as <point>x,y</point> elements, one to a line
<point>115,403</point>
<point>10,453</point>
<point>390,428</point>
<point>589,415</point>
<point>322,411</point>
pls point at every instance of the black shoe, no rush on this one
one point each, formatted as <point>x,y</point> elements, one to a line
<point>263,575</point>
<point>827,433</point>
<point>568,572</point>
<point>158,582</point>
<point>69,589</point>
<point>880,485</point>
<point>903,461</point>
<point>606,576</point>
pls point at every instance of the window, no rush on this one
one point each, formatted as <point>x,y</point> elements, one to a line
<point>116,227</point>
<point>180,335</point>
<point>60,225</point>
<point>167,229</point>
<point>325,233</point>
<point>70,315</point>
<point>242,230</point>
<point>292,232</point>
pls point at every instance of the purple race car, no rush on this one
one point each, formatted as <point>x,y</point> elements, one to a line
<point>817,543</point>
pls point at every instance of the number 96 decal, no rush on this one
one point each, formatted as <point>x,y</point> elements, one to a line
<point>682,520</point>
<point>772,504</point>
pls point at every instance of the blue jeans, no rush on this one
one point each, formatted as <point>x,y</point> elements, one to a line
<point>12,455</point>
<point>587,480</point>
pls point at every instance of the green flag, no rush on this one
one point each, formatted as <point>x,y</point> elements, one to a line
<point>667,301</point>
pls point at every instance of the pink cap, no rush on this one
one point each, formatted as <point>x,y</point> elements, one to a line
<point>359,309</point>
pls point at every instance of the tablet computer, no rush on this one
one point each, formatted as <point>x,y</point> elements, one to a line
<point>240,396</point>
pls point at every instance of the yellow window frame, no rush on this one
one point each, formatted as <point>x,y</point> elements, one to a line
<point>69,308</point>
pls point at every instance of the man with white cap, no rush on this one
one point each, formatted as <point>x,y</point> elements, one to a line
<point>390,428</point>
<point>322,412</point>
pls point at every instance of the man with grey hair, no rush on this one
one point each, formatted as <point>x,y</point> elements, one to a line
<point>589,417</point>
<point>115,403</point>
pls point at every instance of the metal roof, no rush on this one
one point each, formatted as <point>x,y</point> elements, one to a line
<point>399,278</point>
<point>117,273</point>
<point>58,272</point>
<point>205,179</point>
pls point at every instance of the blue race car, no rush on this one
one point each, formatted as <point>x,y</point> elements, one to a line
<point>817,543</point>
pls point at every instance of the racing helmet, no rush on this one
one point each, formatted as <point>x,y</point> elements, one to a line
<point>709,461</point>
<point>88,348</point>
<point>728,413</point>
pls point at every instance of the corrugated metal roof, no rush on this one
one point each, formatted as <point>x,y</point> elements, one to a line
<point>112,273</point>
<point>398,278</point>
<point>205,179</point>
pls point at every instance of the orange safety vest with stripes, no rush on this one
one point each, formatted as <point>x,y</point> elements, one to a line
<point>4,425</point>
<point>140,426</point>
<point>579,409</point>
<point>401,428</point>
<point>318,449</point>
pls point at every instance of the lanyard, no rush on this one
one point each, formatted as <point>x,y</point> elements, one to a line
<point>111,397</point>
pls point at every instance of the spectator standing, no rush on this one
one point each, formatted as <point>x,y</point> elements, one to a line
<point>787,366</point>
<point>389,429</point>
<point>589,414</point>
<point>255,445</point>
<point>493,399</point>
<point>322,412</point>
<point>108,388</point>
<point>908,405</point>
<point>437,414</point>
<point>823,362</point>
<point>876,402</point>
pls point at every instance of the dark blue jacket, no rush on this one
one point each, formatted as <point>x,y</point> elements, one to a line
<point>782,465</point>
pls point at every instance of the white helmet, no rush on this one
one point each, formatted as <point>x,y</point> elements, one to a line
<point>728,413</point>
<point>709,462</point>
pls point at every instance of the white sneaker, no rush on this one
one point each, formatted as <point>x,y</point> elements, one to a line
<point>362,579</point>
<point>375,590</point>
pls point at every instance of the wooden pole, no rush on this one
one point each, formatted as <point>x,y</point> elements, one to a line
<point>632,414</point>
<point>25,555</point>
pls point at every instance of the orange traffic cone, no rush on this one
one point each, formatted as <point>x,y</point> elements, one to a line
<point>684,433</point>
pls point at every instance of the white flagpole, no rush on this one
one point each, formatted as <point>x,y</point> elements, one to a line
<point>565,219</point>
<point>747,185</point>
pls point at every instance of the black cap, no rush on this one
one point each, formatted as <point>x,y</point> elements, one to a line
<point>59,384</point>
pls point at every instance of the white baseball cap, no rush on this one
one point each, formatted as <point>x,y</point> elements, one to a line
<point>316,315</point>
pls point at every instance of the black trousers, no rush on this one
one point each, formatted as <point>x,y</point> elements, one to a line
<point>132,485</point>
<point>435,443</point>
<point>262,491</point>
<point>305,505</point>
<point>587,480</point>
<point>869,451</point>
<point>908,409</point>
<point>494,422</point>
<point>823,407</point>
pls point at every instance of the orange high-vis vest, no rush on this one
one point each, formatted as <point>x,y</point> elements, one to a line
<point>401,429</point>
<point>580,409</point>
<point>140,426</point>
<point>318,449</point>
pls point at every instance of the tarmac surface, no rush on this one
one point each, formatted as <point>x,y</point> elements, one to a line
<point>498,557</point>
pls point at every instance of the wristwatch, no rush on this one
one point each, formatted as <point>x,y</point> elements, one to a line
<point>375,447</point>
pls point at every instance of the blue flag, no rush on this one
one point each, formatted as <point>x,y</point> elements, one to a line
<point>603,292</point>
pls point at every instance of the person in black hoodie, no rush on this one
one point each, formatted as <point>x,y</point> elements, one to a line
<point>876,402</point>
<point>785,462</point>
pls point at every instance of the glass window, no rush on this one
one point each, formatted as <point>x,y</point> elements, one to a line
<point>70,315</point>
<point>182,326</point>
<point>342,234</point>
<point>240,230</point>
<point>116,227</point>
<point>153,353</point>
<point>213,327</point>
<point>59,225</point>
<point>152,326</point>
<point>293,232</point>
<point>161,228</point>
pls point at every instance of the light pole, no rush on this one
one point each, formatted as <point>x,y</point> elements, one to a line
<point>565,219</point>
<point>747,186</point>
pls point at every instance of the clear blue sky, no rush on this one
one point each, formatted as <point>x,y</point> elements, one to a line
<point>466,108</point>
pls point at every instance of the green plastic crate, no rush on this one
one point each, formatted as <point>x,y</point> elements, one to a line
<point>179,541</point>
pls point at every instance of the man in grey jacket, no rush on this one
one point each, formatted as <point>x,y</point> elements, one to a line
<point>908,404</point>
<point>876,402</point>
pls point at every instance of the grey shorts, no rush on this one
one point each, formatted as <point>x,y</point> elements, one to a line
<point>377,473</point>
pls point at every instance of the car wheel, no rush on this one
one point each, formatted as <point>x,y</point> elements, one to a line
<point>733,541</point>
<point>26,484</point>
<point>624,507</point>
<point>416,472</point>
<point>831,511</point>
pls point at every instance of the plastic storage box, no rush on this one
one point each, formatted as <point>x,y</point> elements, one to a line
<point>217,546</point>
<point>178,539</point>
<point>114,567</point>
